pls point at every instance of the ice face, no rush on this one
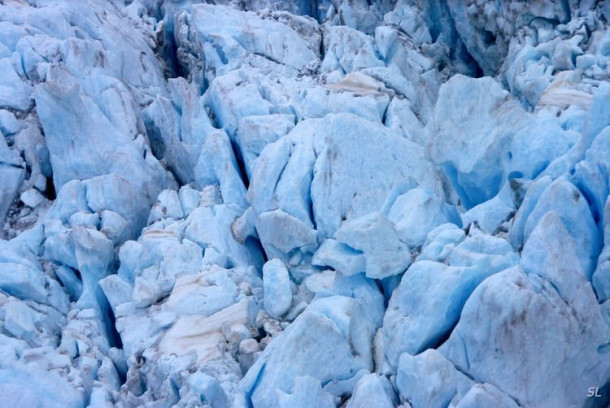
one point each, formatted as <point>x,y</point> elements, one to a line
<point>271,203</point>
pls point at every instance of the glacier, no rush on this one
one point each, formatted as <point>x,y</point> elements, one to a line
<point>330,203</point>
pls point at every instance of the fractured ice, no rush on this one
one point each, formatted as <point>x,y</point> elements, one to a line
<point>271,203</point>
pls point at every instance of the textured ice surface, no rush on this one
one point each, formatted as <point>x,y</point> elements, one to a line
<point>270,203</point>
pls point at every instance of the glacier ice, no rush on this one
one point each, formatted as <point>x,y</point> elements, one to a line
<point>429,300</point>
<point>304,203</point>
<point>429,379</point>
<point>277,288</point>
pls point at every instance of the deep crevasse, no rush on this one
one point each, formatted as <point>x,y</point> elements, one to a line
<point>304,204</point>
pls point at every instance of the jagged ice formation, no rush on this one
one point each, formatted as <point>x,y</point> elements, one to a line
<point>270,203</point>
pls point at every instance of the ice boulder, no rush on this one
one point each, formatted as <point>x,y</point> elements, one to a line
<point>417,211</point>
<point>348,50</point>
<point>12,173</point>
<point>256,132</point>
<point>544,254</point>
<point>314,181</point>
<point>22,274</point>
<point>358,14</point>
<point>98,142</point>
<point>484,395</point>
<point>236,95</point>
<point>277,287</point>
<point>487,29</point>
<point>410,19</point>
<point>440,243</point>
<point>217,166</point>
<point>488,139</point>
<point>230,38</point>
<point>373,390</point>
<point>467,137</point>
<point>601,277</point>
<point>15,93</point>
<point>512,322</point>
<point>210,228</point>
<point>330,342</point>
<point>429,380</point>
<point>177,126</point>
<point>355,93</point>
<point>576,217</point>
<point>307,391</point>
<point>493,215</point>
<point>368,244</point>
<point>88,251</point>
<point>428,302</point>
<point>51,389</point>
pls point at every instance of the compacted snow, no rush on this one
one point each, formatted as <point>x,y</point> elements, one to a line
<point>271,203</point>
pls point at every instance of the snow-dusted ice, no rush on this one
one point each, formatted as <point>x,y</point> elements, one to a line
<point>330,203</point>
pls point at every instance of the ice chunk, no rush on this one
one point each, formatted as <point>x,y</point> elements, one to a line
<point>167,206</point>
<point>255,132</point>
<point>512,322</point>
<point>354,98</point>
<point>203,294</point>
<point>487,29</point>
<point>98,144</point>
<point>418,211</point>
<point>411,21</point>
<point>230,37</point>
<point>163,249</point>
<point>527,73</point>
<point>15,93</point>
<point>277,287</point>
<point>12,173</point>
<point>217,166</point>
<point>373,390</point>
<point>491,215</point>
<point>469,136</point>
<point>177,128</point>
<point>234,96</point>
<point>307,392</point>
<point>550,253</point>
<point>359,15</point>
<point>348,50</point>
<point>440,242</point>
<point>576,217</point>
<point>601,277</point>
<point>32,198</point>
<point>365,244</point>
<point>70,281</point>
<point>51,390</point>
<point>310,174</point>
<point>9,125</point>
<point>208,389</point>
<point>594,183</point>
<point>401,117</point>
<point>119,195</point>
<point>116,289</point>
<point>429,380</point>
<point>20,321</point>
<point>189,199</point>
<point>360,84</point>
<point>330,342</point>
<point>115,227</point>
<point>427,304</point>
<point>562,93</point>
<point>20,272</point>
<point>485,395</point>
<point>535,146</point>
<point>210,228</point>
